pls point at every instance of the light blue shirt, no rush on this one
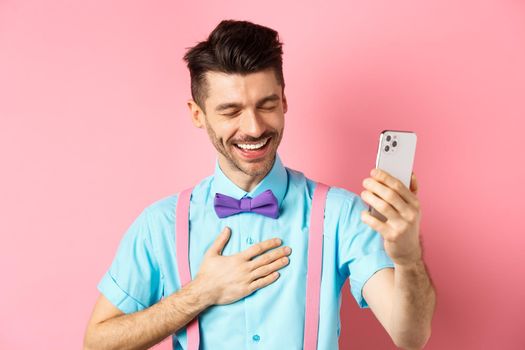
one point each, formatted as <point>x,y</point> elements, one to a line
<point>144,269</point>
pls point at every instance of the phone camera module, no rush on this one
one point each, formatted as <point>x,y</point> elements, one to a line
<point>394,144</point>
<point>388,138</point>
<point>387,148</point>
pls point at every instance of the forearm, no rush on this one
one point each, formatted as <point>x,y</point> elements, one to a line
<point>143,329</point>
<point>413,306</point>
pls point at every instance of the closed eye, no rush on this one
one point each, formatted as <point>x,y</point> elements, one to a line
<point>234,113</point>
<point>231,114</point>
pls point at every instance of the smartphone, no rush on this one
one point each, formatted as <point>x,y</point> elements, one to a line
<point>395,155</point>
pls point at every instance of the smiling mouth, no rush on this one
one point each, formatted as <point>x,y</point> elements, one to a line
<point>252,146</point>
<point>252,151</point>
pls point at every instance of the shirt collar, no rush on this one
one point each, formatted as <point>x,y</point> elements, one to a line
<point>276,180</point>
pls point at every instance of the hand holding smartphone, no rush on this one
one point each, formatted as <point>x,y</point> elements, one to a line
<point>395,155</point>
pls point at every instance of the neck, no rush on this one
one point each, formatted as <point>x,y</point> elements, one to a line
<point>238,177</point>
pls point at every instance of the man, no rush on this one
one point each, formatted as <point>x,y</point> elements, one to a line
<point>248,283</point>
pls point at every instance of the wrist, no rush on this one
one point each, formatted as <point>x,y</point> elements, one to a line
<point>203,294</point>
<point>410,258</point>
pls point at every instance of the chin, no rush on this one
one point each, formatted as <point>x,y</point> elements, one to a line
<point>255,167</point>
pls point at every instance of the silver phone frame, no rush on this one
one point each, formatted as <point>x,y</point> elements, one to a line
<point>407,162</point>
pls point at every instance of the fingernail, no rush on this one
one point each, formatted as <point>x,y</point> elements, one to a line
<point>287,249</point>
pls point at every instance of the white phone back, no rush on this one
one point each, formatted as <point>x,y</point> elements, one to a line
<point>395,155</point>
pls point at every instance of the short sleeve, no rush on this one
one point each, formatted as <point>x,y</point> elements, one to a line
<point>133,281</point>
<point>361,249</point>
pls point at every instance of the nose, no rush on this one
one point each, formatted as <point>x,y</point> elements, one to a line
<point>251,124</point>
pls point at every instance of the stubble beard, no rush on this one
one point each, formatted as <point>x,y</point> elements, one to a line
<point>263,169</point>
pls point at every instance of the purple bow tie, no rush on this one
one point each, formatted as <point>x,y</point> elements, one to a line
<point>265,204</point>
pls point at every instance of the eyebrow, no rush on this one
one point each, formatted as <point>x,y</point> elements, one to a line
<point>223,106</point>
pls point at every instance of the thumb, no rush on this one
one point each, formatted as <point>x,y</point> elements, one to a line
<point>221,240</point>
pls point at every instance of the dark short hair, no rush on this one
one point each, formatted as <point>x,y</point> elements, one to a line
<point>233,46</point>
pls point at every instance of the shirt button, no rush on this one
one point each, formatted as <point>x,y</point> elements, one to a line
<point>249,240</point>
<point>256,337</point>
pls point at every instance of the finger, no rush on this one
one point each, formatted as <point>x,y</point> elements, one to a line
<point>380,205</point>
<point>388,195</point>
<point>221,240</point>
<point>264,281</point>
<point>374,223</point>
<point>259,248</point>
<point>395,184</point>
<point>267,258</point>
<point>413,184</point>
<point>268,269</point>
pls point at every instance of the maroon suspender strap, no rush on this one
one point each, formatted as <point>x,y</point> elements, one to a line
<point>315,260</point>
<point>313,277</point>
<point>183,258</point>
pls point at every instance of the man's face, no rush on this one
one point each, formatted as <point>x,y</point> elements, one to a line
<point>244,119</point>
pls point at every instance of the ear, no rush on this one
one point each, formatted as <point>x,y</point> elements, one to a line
<point>285,103</point>
<point>196,113</point>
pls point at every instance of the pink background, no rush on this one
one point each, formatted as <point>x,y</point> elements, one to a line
<point>94,127</point>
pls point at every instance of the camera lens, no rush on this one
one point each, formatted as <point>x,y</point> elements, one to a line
<point>394,144</point>
<point>388,138</point>
<point>387,148</point>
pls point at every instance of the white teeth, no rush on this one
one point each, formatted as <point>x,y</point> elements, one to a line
<point>252,146</point>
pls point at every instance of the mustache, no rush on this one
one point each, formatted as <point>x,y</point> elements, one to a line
<point>253,139</point>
